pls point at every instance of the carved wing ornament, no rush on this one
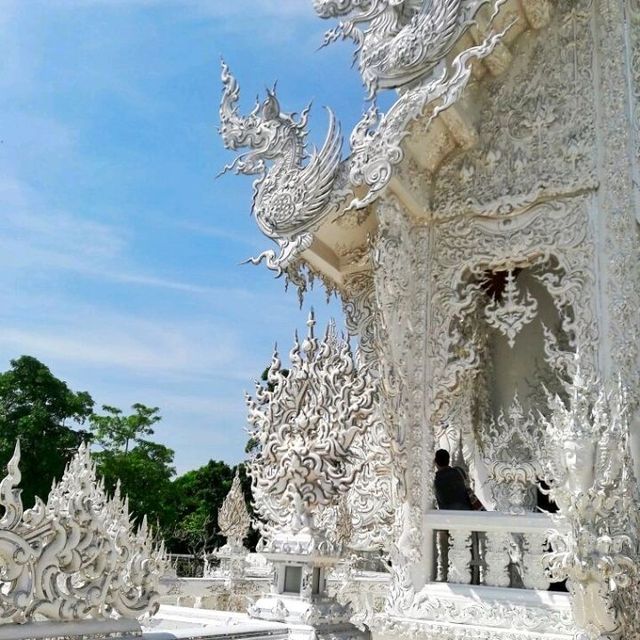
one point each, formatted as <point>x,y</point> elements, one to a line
<point>234,520</point>
<point>77,557</point>
<point>306,422</point>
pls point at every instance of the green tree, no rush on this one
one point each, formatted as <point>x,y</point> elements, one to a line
<point>144,468</point>
<point>115,431</point>
<point>45,414</point>
<point>199,494</point>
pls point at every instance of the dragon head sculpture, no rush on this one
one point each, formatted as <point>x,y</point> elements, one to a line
<point>293,190</point>
<point>398,41</point>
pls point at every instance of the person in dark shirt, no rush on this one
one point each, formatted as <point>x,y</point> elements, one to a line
<point>451,492</point>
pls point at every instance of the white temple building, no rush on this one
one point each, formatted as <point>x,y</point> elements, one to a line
<point>482,234</point>
<point>483,237</point>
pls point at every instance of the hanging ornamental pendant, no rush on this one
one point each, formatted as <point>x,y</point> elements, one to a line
<point>514,312</point>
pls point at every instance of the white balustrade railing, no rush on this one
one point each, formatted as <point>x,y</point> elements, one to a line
<point>488,547</point>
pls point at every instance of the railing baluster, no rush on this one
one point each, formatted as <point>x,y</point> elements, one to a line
<point>533,574</point>
<point>507,549</point>
<point>459,557</point>
<point>497,559</point>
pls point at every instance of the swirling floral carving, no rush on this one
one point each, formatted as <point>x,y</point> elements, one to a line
<point>513,312</point>
<point>376,141</point>
<point>402,40</point>
<point>511,452</point>
<point>537,126</point>
<point>233,517</point>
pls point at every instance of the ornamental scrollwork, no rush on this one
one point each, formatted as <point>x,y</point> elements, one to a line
<point>372,498</point>
<point>511,453</point>
<point>536,126</point>
<point>306,421</point>
<point>590,475</point>
<point>291,195</point>
<point>376,140</point>
<point>77,557</point>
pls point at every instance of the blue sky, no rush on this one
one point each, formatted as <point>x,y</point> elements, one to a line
<point>119,251</point>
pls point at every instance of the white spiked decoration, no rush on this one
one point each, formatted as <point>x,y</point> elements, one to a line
<point>78,557</point>
<point>233,518</point>
<point>305,422</point>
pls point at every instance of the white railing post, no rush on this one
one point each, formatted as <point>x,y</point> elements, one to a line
<point>533,573</point>
<point>459,556</point>
<point>497,559</point>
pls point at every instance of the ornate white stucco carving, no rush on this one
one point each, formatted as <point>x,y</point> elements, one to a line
<point>615,83</point>
<point>376,141</point>
<point>290,197</point>
<point>553,238</point>
<point>542,181</point>
<point>511,446</point>
<point>536,126</point>
<point>373,497</point>
<point>305,426</point>
<point>400,249</point>
<point>78,556</point>
<point>234,522</point>
<point>398,41</point>
<point>590,475</point>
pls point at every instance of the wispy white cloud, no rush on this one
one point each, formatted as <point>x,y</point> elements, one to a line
<point>33,237</point>
<point>181,347</point>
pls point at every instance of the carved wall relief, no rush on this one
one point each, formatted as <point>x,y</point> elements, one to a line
<point>511,448</point>
<point>633,69</point>
<point>617,158</point>
<point>553,234</point>
<point>537,127</point>
<point>401,268</point>
<point>373,498</point>
<point>434,336</point>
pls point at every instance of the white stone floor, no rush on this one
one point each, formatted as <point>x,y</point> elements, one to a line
<point>182,623</point>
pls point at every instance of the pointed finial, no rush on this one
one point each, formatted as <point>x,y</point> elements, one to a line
<point>311,322</point>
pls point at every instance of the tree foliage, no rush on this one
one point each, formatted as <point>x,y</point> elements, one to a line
<point>49,419</point>
<point>143,468</point>
<point>46,415</point>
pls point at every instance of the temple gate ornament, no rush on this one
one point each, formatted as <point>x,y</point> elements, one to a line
<point>305,422</point>
<point>78,557</point>
<point>591,478</point>
<point>511,453</point>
